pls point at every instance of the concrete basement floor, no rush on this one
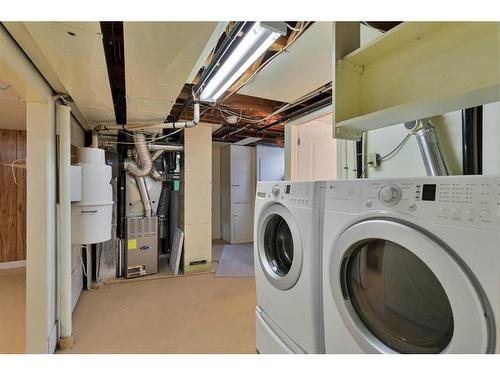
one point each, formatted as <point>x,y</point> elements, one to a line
<point>13,311</point>
<point>189,314</point>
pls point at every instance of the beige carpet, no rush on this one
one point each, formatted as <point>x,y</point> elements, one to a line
<point>12,310</point>
<point>190,314</point>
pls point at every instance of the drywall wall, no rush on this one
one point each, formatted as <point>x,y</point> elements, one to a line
<point>491,139</point>
<point>12,196</point>
<point>216,224</point>
<point>407,162</point>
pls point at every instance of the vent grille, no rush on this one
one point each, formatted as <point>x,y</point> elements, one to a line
<point>140,227</point>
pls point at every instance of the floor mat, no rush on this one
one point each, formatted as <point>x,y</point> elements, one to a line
<point>236,261</point>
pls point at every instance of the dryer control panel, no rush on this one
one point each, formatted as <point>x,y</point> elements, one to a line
<point>296,194</point>
<point>471,201</point>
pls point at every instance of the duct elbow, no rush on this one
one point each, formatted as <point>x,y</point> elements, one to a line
<point>143,156</point>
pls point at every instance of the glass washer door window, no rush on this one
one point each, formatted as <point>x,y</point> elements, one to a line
<point>398,298</point>
<point>278,245</point>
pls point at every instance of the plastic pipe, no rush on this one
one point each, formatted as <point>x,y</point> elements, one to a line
<point>64,248</point>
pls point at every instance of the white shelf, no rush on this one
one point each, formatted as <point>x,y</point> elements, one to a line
<point>416,70</point>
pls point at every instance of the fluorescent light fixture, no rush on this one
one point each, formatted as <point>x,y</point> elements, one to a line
<point>253,44</point>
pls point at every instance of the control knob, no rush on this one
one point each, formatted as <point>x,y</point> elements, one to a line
<point>276,190</point>
<point>390,195</point>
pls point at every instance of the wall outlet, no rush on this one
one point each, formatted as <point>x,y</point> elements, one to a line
<point>374,160</point>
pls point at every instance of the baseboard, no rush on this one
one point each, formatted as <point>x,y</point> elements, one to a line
<point>9,265</point>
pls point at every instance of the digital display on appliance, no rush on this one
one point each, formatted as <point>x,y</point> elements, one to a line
<point>429,192</point>
<point>287,189</point>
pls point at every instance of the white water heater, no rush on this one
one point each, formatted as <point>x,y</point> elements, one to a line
<point>91,216</point>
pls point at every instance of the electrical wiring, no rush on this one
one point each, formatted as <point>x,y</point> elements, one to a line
<point>388,155</point>
<point>397,148</point>
<point>81,260</point>
<point>12,165</point>
<point>300,29</point>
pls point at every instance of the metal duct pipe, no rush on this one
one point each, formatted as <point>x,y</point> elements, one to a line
<point>143,191</point>
<point>430,149</point>
<point>145,160</point>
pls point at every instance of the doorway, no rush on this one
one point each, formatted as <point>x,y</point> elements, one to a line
<point>314,150</point>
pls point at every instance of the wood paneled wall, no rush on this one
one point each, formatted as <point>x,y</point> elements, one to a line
<point>12,196</point>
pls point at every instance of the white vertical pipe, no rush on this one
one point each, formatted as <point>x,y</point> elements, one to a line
<point>64,230</point>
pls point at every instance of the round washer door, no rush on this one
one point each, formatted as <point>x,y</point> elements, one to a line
<point>399,290</point>
<point>279,247</point>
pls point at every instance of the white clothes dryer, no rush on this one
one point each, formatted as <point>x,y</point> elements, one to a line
<point>412,265</point>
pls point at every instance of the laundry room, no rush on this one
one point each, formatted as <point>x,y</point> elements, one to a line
<point>198,186</point>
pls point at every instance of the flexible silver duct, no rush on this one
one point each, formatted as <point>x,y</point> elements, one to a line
<point>145,160</point>
<point>143,191</point>
<point>430,149</point>
<point>159,150</point>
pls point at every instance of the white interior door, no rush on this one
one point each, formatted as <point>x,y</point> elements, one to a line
<point>316,150</point>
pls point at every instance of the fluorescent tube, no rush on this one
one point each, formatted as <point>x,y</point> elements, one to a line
<point>253,44</point>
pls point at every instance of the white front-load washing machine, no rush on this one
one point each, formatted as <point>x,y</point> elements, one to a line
<point>287,242</point>
<point>412,265</point>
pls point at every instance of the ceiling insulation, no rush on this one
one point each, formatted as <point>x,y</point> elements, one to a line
<point>290,75</point>
<point>74,52</point>
<point>159,59</point>
<point>12,108</point>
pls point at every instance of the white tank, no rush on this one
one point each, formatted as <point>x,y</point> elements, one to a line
<point>91,217</point>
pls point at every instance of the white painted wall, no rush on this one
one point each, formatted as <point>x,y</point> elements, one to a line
<point>195,203</point>
<point>216,223</point>
<point>408,162</point>
<point>41,237</point>
<point>491,139</point>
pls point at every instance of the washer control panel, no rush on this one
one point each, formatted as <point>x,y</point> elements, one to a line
<point>298,194</point>
<point>471,201</point>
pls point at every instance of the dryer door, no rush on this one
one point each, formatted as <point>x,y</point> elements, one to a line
<point>401,290</point>
<point>279,247</point>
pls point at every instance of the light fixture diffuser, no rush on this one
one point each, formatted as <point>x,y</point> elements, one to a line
<point>253,44</point>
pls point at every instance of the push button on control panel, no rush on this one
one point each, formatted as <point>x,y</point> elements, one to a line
<point>485,216</point>
<point>455,213</point>
<point>469,215</point>
<point>442,212</point>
